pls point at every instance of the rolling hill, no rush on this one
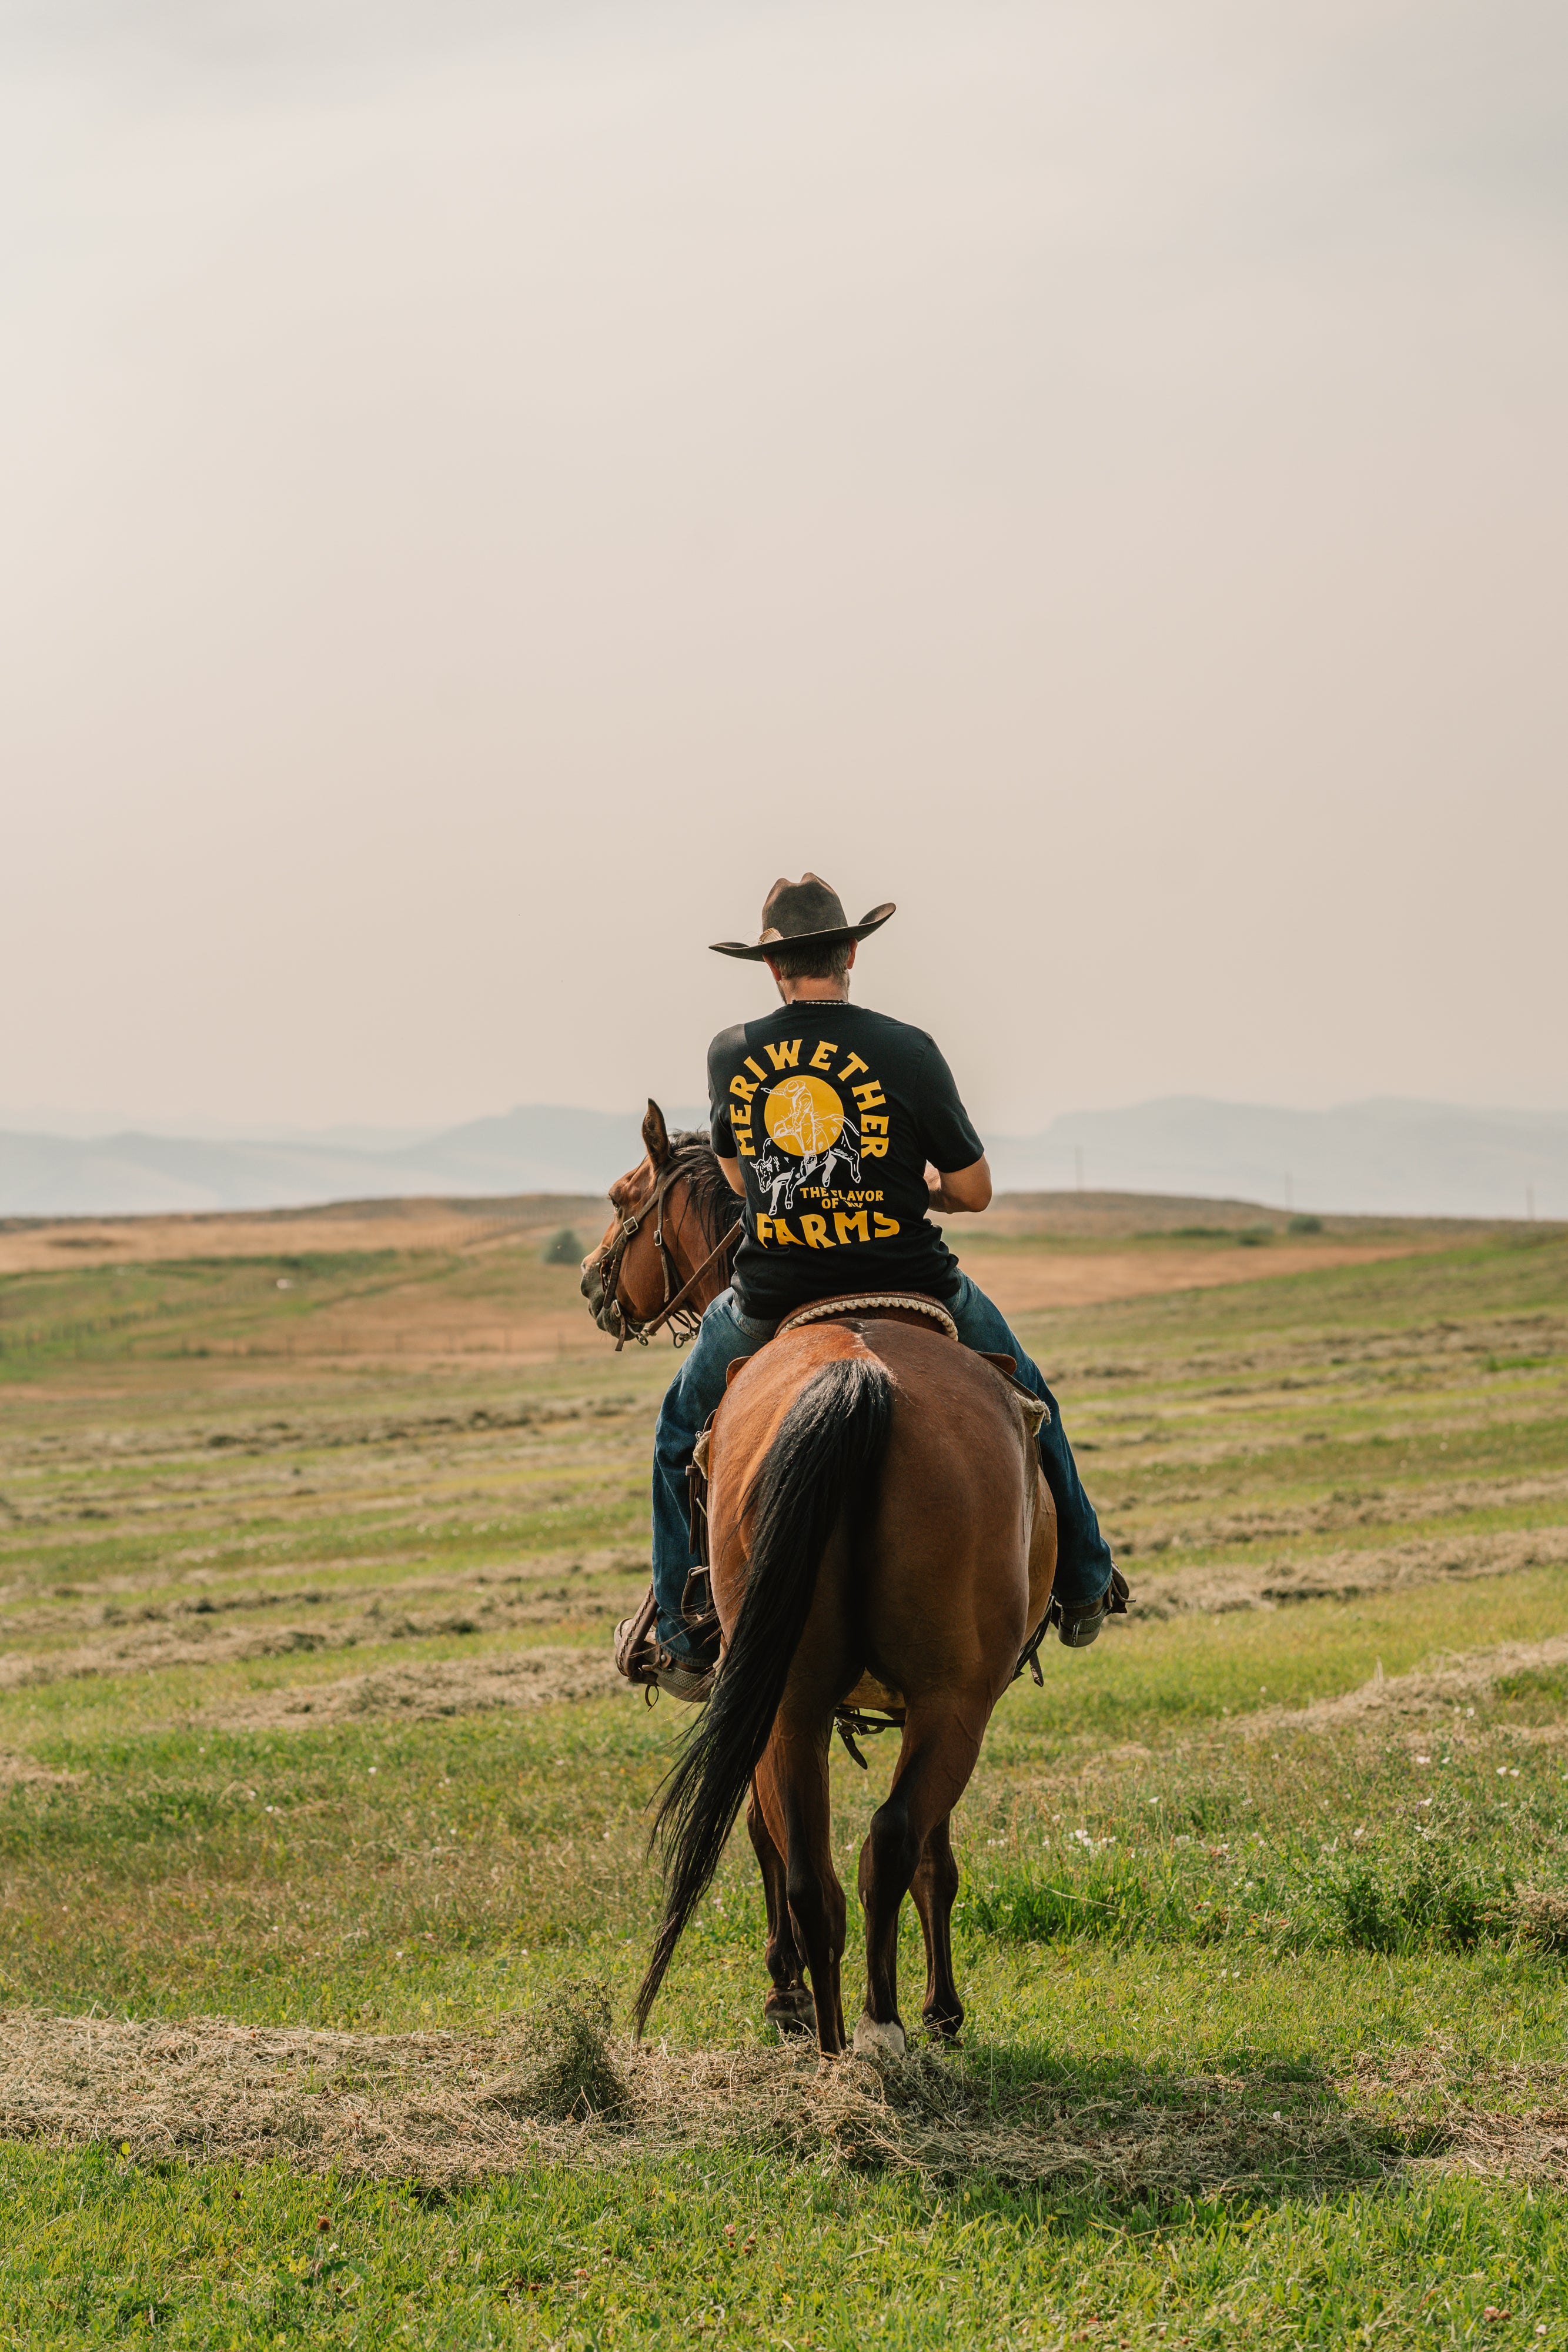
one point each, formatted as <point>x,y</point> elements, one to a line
<point>1386,1156</point>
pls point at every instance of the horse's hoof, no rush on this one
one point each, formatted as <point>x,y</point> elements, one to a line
<point>943,2028</point>
<point>874,2041</point>
<point>792,2012</point>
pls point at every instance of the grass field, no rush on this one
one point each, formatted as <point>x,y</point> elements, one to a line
<point>323,1827</point>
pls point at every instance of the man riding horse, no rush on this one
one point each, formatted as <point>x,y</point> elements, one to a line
<point>793,1095</point>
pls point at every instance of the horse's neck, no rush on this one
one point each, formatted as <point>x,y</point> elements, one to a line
<point>698,1238</point>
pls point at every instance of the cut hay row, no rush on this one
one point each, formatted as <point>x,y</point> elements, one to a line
<point>441,2108</point>
<point>429,1688</point>
<point>532,1679</point>
<point>1281,1582</point>
<point>147,1649</point>
<point>1436,1690</point>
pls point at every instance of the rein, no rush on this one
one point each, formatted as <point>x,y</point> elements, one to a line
<point>676,1309</point>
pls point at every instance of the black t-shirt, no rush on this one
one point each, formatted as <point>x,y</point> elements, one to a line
<point>833,1111</point>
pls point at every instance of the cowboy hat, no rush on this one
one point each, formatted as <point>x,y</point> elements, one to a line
<point>807,913</point>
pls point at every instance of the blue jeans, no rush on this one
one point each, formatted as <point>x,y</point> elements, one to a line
<point>1083,1558</point>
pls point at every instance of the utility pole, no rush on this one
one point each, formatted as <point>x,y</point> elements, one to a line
<point>1289,1197</point>
<point>1078,1161</point>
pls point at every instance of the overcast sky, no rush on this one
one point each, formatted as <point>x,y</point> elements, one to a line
<point>487,488</point>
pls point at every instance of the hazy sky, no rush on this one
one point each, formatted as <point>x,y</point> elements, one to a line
<point>486,487</point>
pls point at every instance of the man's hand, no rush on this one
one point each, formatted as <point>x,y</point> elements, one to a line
<point>963,1191</point>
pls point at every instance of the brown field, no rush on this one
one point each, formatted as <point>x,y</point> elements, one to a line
<point>422,1281</point>
<point>54,1244</point>
<point>1022,1279</point>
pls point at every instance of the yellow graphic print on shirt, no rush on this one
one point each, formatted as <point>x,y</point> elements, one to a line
<point>813,1150</point>
<point>803,1116</point>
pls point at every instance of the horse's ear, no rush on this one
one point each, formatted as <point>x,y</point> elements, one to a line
<point>655,1135</point>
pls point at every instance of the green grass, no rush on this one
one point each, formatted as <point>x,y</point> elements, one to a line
<point>97,2253</point>
<point>1172,1893</point>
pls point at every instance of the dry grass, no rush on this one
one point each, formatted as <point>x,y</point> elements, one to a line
<point>1347,1575</point>
<point>1431,1691</point>
<point>426,1690</point>
<point>470,1603</point>
<point>25,1773</point>
<point>468,1282</point>
<point>1104,1217</point>
<point>1025,1282</point>
<point>481,1602</point>
<point>143,1649</point>
<point>277,1615</point>
<point>37,1245</point>
<point>1339,1512</point>
<point>439,2108</point>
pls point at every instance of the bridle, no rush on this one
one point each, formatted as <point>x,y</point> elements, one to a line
<point>677,1309</point>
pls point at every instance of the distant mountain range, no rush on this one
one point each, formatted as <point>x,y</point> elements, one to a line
<point>536,1148</point>
<point>1385,1155</point>
<point>1401,1157</point>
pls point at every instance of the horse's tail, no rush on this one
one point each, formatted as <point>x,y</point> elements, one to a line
<point>825,1462</point>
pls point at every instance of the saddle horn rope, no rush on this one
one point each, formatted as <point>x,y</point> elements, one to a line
<point>827,1311</point>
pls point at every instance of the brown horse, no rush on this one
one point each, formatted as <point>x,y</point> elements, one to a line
<point>877,1509</point>
<point>664,1254</point>
<point>881,1531</point>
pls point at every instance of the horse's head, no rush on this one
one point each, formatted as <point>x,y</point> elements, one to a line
<point>664,1246</point>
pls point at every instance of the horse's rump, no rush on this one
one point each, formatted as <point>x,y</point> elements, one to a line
<point>959,1546</point>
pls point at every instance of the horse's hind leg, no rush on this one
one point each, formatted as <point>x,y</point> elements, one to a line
<point>933,1768</point>
<point>794,1775</point>
<point>789,2005</point>
<point>935,1888</point>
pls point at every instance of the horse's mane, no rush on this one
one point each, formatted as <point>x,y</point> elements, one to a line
<point>715,1203</point>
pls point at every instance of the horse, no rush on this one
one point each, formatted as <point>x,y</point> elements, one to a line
<point>664,1254</point>
<point>880,1532</point>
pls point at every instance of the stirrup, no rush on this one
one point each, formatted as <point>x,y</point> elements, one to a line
<point>631,1638</point>
<point>643,1660</point>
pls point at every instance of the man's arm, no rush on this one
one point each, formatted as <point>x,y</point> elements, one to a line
<point>964,1184</point>
<point>963,1191</point>
<point>736,1182</point>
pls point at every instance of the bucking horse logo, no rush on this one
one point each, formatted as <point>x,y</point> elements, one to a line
<point>811,1137</point>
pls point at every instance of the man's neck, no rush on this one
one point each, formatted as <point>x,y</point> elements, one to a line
<point>815,991</point>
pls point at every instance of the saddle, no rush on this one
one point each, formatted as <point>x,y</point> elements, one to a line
<point>871,1707</point>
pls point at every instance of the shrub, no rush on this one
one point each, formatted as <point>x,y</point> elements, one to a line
<point>563,1249</point>
<point>1305,1225</point>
